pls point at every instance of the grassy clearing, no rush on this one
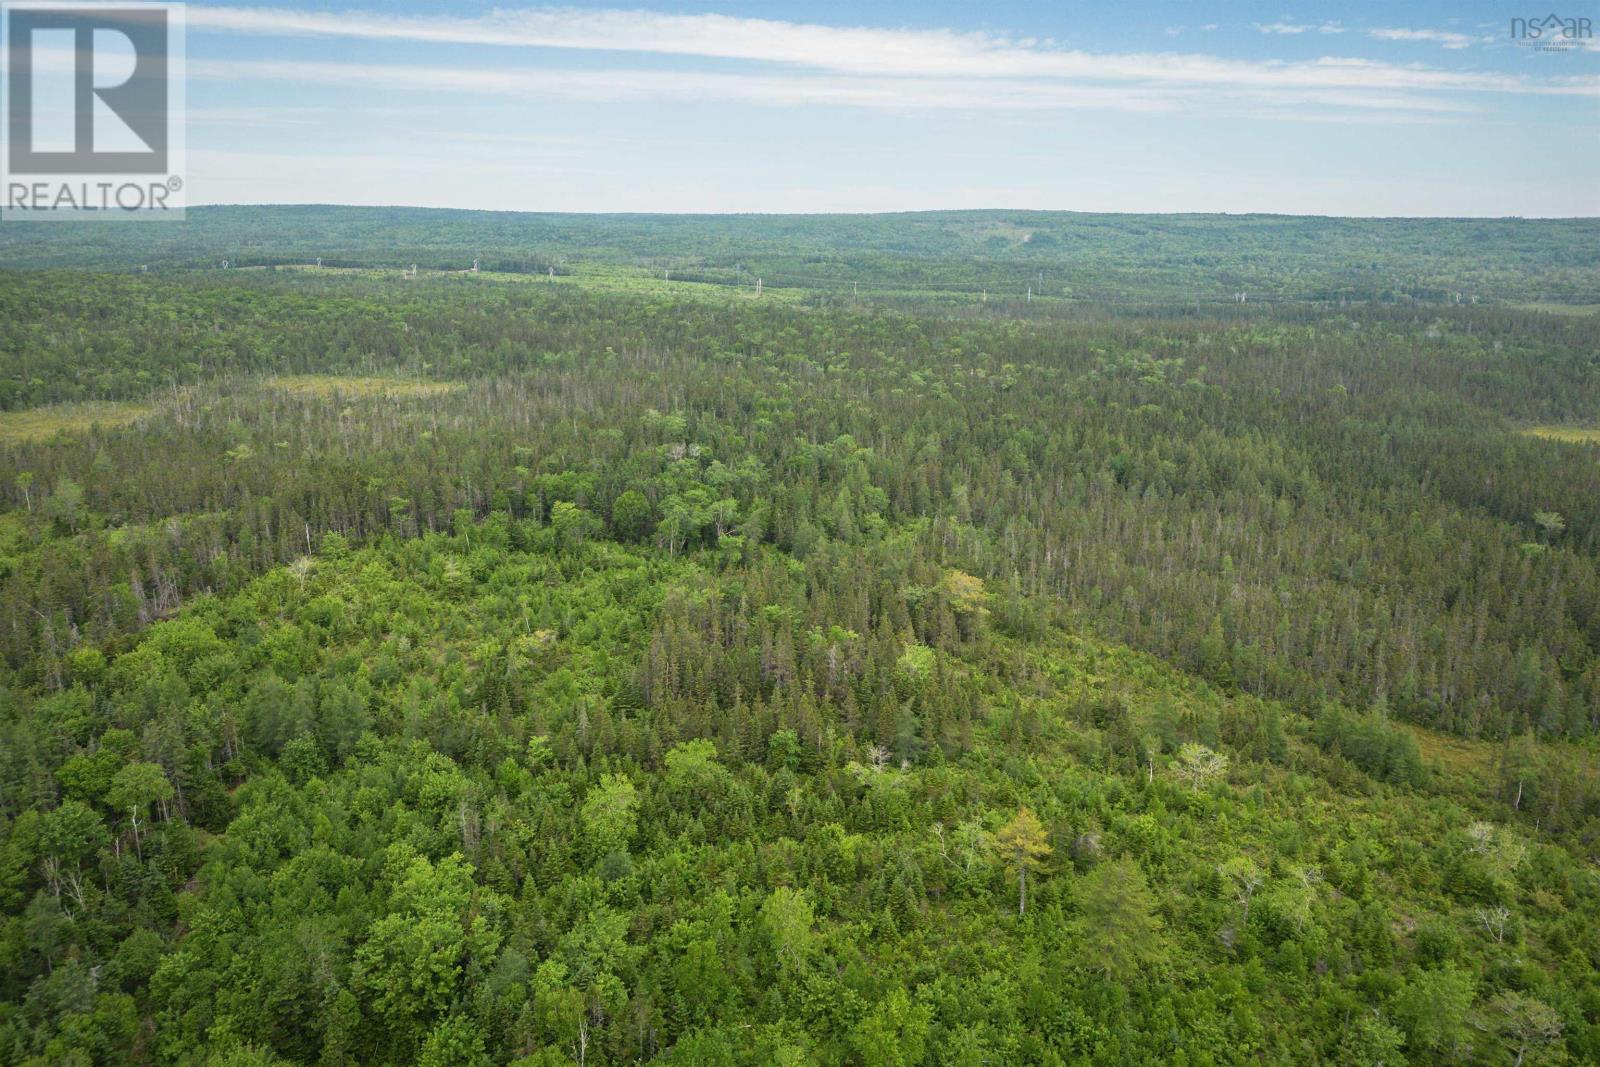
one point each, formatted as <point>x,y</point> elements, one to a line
<point>36,424</point>
<point>1468,765</point>
<point>1561,309</point>
<point>355,386</point>
<point>1575,435</point>
<point>606,277</point>
<point>592,276</point>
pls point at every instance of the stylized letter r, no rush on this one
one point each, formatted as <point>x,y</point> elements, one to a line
<point>140,101</point>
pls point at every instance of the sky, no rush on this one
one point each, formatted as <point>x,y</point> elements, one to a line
<point>1366,109</point>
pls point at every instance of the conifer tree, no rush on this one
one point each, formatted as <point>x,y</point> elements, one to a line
<point>1023,846</point>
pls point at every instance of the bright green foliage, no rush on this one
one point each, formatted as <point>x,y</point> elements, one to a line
<point>693,775</point>
<point>671,676</point>
<point>895,1034</point>
<point>1527,1028</point>
<point>456,1042</point>
<point>1241,877</point>
<point>534,871</point>
<point>72,833</point>
<point>1197,766</point>
<point>137,787</point>
<point>788,919</point>
<point>1371,1042</point>
<point>610,813</point>
<point>438,924</point>
<point>1433,1007</point>
<point>631,516</point>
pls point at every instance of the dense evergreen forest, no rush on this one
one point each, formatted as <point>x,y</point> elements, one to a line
<point>602,658</point>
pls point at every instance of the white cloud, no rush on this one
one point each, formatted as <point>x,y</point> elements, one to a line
<point>503,67</point>
<point>884,94</point>
<point>883,53</point>
<point>623,85</point>
<point>1295,28</point>
<point>847,49</point>
<point>852,67</point>
<point>1441,37</point>
<point>265,118</point>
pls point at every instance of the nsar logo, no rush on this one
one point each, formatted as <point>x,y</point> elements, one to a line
<point>1553,33</point>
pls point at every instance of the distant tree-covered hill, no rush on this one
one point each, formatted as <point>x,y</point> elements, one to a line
<point>1065,255</point>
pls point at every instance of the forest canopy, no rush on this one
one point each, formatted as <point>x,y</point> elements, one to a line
<point>597,667</point>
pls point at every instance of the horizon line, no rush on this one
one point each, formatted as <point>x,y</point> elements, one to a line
<point>909,211</point>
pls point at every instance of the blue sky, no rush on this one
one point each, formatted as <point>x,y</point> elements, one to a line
<point>1348,108</point>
